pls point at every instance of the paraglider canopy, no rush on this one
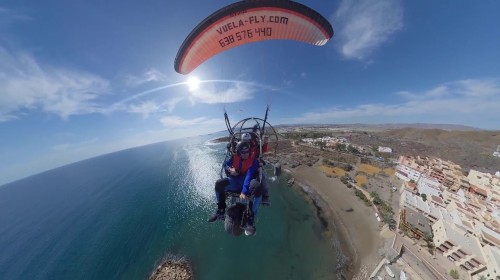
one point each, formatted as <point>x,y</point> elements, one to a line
<point>251,21</point>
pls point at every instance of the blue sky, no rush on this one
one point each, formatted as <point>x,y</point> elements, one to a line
<point>83,78</point>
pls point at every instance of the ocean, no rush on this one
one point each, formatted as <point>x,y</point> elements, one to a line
<point>115,216</point>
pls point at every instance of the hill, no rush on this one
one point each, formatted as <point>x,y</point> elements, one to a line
<point>471,149</point>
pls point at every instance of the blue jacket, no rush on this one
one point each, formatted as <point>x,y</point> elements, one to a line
<point>249,175</point>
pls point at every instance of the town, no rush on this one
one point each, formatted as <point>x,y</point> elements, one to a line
<point>444,220</point>
<point>457,213</point>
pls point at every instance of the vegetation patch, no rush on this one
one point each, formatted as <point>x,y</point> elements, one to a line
<point>335,171</point>
<point>341,165</point>
<point>368,169</point>
<point>384,208</point>
<point>361,180</point>
<point>390,171</point>
<point>454,274</point>
<point>363,197</point>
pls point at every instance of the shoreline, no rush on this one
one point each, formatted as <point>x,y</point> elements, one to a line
<point>347,256</point>
<point>354,233</point>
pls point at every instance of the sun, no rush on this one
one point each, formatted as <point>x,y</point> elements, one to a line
<point>193,83</point>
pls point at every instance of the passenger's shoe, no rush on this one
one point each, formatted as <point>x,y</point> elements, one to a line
<point>265,201</point>
<point>250,228</point>
<point>219,215</point>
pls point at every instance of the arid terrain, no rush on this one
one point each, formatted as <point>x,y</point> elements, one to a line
<point>471,149</point>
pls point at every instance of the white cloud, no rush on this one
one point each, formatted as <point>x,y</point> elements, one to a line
<point>8,16</point>
<point>364,25</point>
<point>240,92</point>
<point>479,88</point>
<point>210,92</point>
<point>462,101</point>
<point>178,122</point>
<point>150,107</point>
<point>27,85</point>
<point>151,75</point>
<point>144,108</point>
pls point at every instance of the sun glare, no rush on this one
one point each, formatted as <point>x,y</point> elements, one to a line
<point>193,83</point>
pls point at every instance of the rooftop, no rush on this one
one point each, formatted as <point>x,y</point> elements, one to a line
<point>479,190</point>
<point>469,244</point>
<point>437,199</point>
<point>491,235</point>
<point>418,220</point>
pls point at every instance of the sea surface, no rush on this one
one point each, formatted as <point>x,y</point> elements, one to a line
<point>115,216</point>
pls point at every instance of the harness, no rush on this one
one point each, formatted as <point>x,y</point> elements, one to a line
<point>242,166</point>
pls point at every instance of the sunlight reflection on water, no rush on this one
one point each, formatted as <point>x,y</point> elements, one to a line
<point>205,160</point>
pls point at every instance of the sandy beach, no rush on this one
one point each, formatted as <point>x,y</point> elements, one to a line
<point>357,230</point>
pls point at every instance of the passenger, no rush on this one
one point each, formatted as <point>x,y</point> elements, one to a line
<point>241,169</point>
<point>253,139</point>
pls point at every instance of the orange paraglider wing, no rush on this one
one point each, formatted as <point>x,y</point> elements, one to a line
<point>251,21</point>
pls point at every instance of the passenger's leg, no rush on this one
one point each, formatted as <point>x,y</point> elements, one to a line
<point>256,204</point>
<point>220,188</point>
<point>256,189</point>
<point>220,194</point>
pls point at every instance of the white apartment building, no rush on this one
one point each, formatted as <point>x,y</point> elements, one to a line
<point>460,247</point>
<point>492,256</point>
<point>429,186</point>
<point>407,173</point>
<point>479,179</point>
<point>445,172</point>
<point>309,141</point>
<point>490,236</point>
<point>384,149</point>
<point>407,170</point>
<point>484,180</point>
<point>429,208</point>
<point>458,196</point>
<point>458,234</point>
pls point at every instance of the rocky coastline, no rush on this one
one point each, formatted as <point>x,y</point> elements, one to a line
<point>173,268</point>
